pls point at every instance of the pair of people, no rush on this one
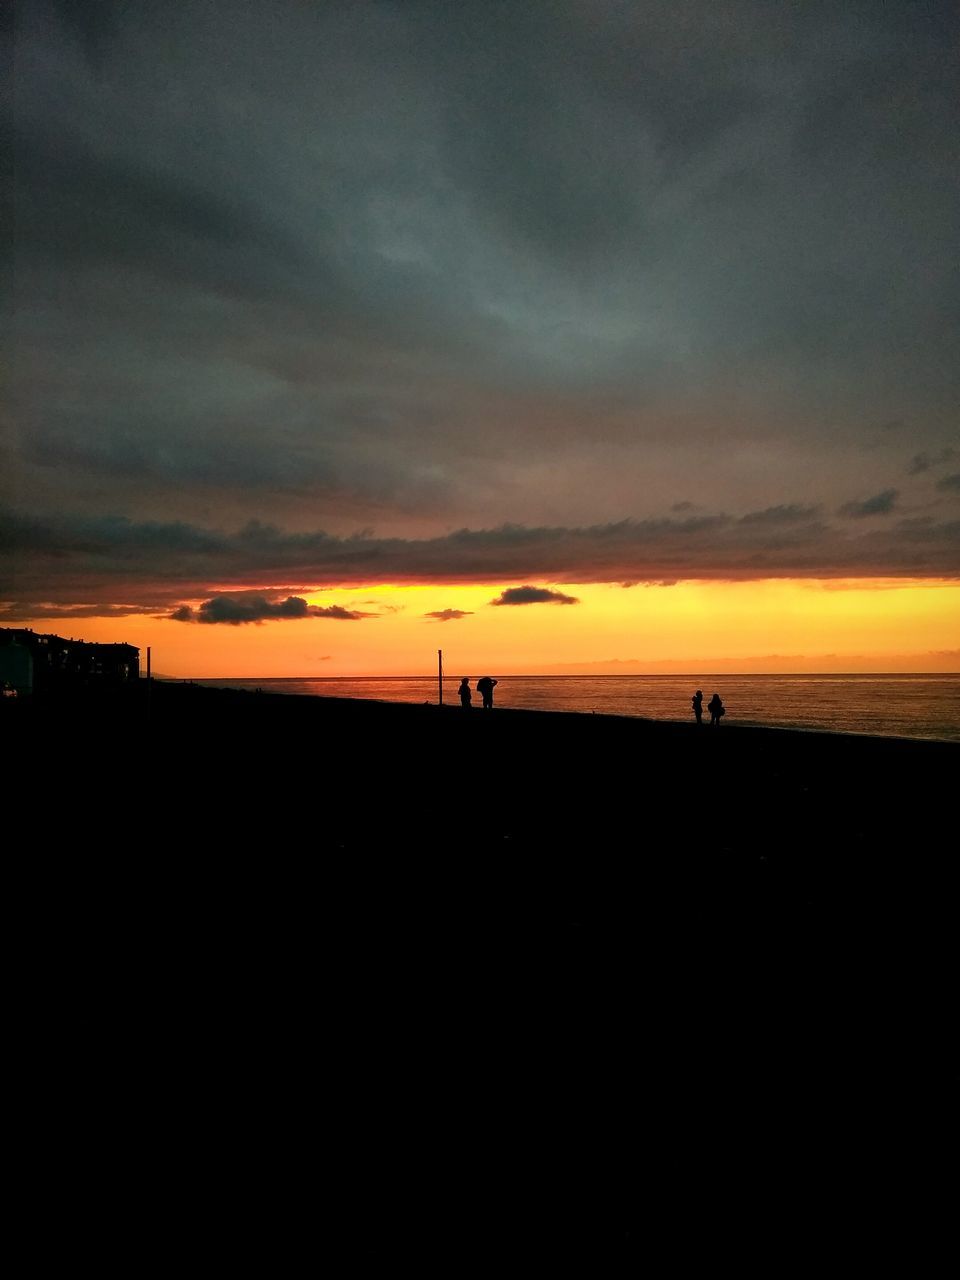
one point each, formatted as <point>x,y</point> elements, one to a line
<point>714,706</point>
<point>484,688</point>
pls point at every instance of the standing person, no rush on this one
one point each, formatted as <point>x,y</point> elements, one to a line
<point>466,697</point>
<point>697,701</point>
<point>716,709</point>
<point>485,689</point>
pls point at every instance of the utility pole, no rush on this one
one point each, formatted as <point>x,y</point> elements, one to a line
<point>440,674</point>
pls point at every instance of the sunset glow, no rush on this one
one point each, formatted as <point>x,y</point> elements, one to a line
<point>765,626</point>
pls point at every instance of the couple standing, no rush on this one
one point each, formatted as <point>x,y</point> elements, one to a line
<point>484,688</point>
<point>714,706</point>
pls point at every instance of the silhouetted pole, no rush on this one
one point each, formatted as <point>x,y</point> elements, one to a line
<point>440,674</point>
<point>149,682</point>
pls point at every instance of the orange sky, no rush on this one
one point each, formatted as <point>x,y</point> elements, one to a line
<point>763,626</point>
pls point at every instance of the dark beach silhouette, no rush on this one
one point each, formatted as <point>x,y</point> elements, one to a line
<point>656,1027</point>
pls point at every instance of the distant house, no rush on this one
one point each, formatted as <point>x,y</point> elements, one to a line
<point>33,663</point>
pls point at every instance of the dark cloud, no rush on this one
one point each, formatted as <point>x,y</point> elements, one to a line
<point>515,269</point>
<point>923,461</point>
<point>792,514</point>
<point>880,504</point>
<point>449,615</point>
<point>253,607</point>
<point>69,562</point>
<point>533,595</point>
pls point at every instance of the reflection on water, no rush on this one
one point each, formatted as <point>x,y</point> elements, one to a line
<point>908,706</point>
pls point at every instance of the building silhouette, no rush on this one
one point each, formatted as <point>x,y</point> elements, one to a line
<point>34,663</point>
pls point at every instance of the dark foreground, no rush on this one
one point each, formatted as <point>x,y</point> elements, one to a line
<point>432,985</point>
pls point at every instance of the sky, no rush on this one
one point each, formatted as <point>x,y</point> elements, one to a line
<point>576,334</point>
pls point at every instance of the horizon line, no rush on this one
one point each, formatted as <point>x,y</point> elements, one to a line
<point>562,675</point>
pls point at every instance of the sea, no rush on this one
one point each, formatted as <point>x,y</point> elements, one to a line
<point>897,706</point>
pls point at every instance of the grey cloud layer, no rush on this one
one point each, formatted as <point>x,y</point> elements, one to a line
<point>70,562</point>
<point>422,266</point>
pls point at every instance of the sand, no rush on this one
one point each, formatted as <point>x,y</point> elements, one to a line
<point>516,985</point>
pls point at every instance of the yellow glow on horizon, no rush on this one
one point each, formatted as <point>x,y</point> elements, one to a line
<point>769,625</point>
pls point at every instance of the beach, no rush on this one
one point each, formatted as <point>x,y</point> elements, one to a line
<point>369,775</point>
<point>574,985</point>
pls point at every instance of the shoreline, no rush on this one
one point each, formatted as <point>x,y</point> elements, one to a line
<point>129,704</point>
<point>736,723</point>
<point>392,738</point>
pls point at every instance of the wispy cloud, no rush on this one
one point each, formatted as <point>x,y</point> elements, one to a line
<point>65,613</point>
<point>449,615</point>
<point>881,504</point>
<point>921,462</point>
<point>793,513</point>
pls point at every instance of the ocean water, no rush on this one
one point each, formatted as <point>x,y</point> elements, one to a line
<point>900,706</point>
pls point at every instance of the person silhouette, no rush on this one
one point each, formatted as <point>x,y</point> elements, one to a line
<point>716,709</point>
<point>697,701</point>
<point>466,697</point>
<point>485,689</point>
